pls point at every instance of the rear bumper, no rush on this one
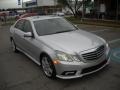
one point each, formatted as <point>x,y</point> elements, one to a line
<point>80,71</point>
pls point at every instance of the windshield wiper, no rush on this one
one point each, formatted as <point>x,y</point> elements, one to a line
<point>63,31</point>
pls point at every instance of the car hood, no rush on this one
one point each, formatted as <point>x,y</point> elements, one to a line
<point>72,42</point>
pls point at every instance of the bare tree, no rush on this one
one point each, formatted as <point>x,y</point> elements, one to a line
<point>73,5</point>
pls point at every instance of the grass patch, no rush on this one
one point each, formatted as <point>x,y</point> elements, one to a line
<point>109,23</point>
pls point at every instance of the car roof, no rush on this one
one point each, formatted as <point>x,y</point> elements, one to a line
<point>37,18</point>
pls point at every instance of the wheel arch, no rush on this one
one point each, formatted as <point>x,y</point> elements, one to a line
<point>42,54</point>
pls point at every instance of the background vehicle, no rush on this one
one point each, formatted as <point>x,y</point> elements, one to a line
<point>27,15</point>
<point>59,47</point>
<point>59,14</point>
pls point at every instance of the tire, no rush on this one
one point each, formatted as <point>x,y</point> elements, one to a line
<point>48,67</point>
<point>14,46</point>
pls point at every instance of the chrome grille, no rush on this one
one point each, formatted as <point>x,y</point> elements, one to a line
<point>95,54</point>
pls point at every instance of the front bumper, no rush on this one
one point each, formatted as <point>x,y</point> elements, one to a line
<point>79,69</point>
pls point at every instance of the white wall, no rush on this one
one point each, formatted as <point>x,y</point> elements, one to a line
<point>5,4</point>
<point>45,2</point>
<point>41,3</point>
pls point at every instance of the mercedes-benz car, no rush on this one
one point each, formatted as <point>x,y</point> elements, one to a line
<point>59,47</point>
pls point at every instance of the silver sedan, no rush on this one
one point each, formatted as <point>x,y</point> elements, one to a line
<point>63,50</point>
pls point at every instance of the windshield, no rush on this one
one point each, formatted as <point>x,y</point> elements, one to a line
<point>52,26</point>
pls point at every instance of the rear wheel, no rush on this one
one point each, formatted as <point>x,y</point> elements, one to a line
<point>48,67</point>
<point>13,46</point>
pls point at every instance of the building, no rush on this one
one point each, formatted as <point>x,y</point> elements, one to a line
<point>48,6</point>
<point>5,4</point>
<point>38,3</point>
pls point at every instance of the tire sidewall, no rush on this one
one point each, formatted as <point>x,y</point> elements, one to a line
<point>53,67</point>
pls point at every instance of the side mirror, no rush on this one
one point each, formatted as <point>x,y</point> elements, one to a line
<point>28,34</point>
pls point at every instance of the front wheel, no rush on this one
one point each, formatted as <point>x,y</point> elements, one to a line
<point>48,66</point>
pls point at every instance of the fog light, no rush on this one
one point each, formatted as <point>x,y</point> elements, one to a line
<point>69,73</point>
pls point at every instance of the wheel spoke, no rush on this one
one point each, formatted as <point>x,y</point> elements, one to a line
<point>47,66</point>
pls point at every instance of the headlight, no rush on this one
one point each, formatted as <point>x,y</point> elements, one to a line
<point>106,44</point>
<point>107,48</point>
<point>66,57</point>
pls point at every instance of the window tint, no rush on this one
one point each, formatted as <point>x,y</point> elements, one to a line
<point>27,26</point>
<point>19,24</point>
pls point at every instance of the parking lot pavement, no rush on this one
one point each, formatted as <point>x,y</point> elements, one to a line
<point>17,72</point>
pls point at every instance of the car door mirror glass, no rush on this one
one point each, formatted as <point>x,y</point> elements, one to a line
<point>28,34</point>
